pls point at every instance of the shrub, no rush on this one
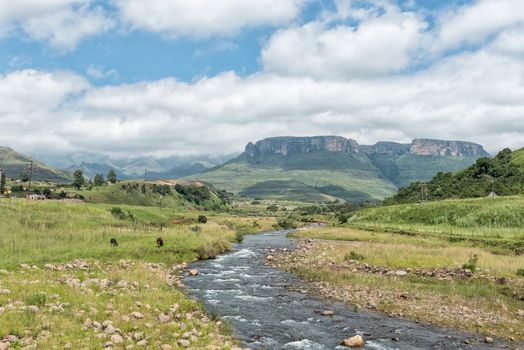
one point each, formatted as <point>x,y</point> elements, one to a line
<point>342,219</point>
<point>520,272</point>
<point>239,237</point>
<point>202,219</point>
<point>472,263</point>
<point>286,224</point>
<point>39,299</point>
<point>118,213</point>
<point>272,208</point>
<point>352,255</point>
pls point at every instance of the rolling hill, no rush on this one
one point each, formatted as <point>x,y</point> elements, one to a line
<point>501,175</point>
<point>16,165</point>
<point>324,168</point>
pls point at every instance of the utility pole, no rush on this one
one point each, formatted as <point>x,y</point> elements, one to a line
<point>30,175</point>
<point>145,175</point>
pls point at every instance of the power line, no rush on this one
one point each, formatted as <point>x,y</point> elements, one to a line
<point>30,175</point>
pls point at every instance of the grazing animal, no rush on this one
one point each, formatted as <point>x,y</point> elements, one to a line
<point>159,242</point>
<point>114,243</point>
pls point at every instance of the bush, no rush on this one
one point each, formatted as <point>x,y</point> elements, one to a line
<point>342,219</point>
<point>286,224</point>
<point>202,219</point>
<point>272,208</point>
<point>118,213</point>
<point>352,255</point>
<point>520,272</point>
<point>239,237</point>
<point>472,263</point>
<point>38,299</point>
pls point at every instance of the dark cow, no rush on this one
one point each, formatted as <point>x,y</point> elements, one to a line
<point>159,242</point>
<point>114,243</point>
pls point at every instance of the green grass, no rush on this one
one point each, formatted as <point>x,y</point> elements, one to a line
<point>498,221</point>
<point>40,232</point>
<point>237,177</point>
<point>54,232</point>
<point>518,158</point>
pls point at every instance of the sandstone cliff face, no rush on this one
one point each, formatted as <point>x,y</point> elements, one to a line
<point>423,147</point>
<point>427,147</point>
<point>293,145</point>
<point>384,147</point>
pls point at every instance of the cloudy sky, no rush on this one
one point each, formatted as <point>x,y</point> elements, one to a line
<point>162,77</point>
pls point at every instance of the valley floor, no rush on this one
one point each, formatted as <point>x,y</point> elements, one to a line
<point>414,276</point>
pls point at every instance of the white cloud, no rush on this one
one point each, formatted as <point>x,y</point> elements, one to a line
<point>384,41</point>
<point>98,72</point>
<point>470,96</point>
<point>60,23</point>
<point>319,78</point>
<point>476,22</point>
<point>203,18</point>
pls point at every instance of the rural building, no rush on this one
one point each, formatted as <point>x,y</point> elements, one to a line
<point>36,197</point>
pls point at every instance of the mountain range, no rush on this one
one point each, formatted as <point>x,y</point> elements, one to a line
<point>17,165</point>
<point>173,167</point>
<point>324,168</point>
<point>318,168</point>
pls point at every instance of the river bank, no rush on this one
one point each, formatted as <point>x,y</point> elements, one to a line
<point>270,308</point>
<point>454,298</point>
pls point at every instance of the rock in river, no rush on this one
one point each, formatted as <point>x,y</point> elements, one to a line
<point>354,342</point>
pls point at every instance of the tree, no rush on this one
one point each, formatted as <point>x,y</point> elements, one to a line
<point>111,176</point>
<point>99,180</point>
<point>24,177</point>
<point>79,179</point>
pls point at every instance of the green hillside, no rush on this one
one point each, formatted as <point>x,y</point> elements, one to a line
<point>412,168</point>
<point>496,221</point>
<point>319,176</point>
<point>172,194</point>
<point>501,175</point>
<point>518,158</point>
<point>327,168</point>
<point>16,165</point>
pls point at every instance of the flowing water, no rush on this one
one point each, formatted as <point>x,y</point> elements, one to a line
<point>269,308</point>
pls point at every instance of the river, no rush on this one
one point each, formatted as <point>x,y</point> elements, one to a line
<point>270,309</point>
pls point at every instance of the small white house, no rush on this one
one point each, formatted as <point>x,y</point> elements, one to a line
<point>36,197</point>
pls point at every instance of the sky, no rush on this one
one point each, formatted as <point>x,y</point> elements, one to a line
<point>178,77</point>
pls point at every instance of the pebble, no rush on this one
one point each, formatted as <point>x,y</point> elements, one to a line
<point>143,342</point>
<point>193,272</point>
<point>163,318</point>
<point>184,342</point>
<point>117,339</point>
<point>110,329</point>
<point>137,314</point>
<point>488,340</point>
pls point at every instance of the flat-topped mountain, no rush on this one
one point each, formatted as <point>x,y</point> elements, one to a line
<point>329,167</point>
<point>287,145</point>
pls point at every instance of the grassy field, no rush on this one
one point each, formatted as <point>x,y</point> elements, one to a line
<point>492,221</point>
<point>431,244</point>
<point>59,273</point>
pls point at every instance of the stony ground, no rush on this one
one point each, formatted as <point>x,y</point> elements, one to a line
<point>395,291</point>
<point>95,305</point>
